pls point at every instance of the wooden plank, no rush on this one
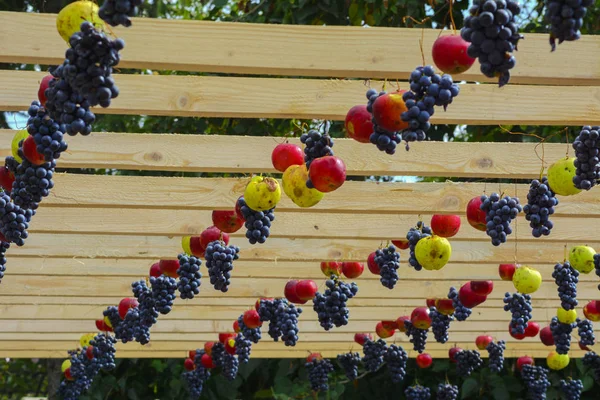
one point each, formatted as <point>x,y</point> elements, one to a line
<point>290,50</point>
<point>204,153</point>
<point>74,190</point>
<point>210,96</point>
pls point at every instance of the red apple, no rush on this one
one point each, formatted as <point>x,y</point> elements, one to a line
<point>196,247</point>
<point>290,292</point>
<point>155,270</point>
<point>102,327</point>
<point>420,318</point>
<point>372,265</point>
<point>445,306</point>
<point>89,352</point>
<point>225,336</point>
<point>387,110</point>
<point>208,347</point>
<point>361,338</point>
<point>402,244</point>
<point>42,90</point>
<point>68,375</point>
<point>445,225</point>
<point>252,319</point>
<point>30,152</point>
<point>327,173</point>
<point>169,267</point>
<point>525,360</point>
<point>533,328</point>
<point>430,302</point>
<point>450,54</point>
<point>358,124</point>
<point>592,311</point>
<point>469,298</point>
<point>482,341</point>
<point>424,360</point>
<point>389,325</point>
<point>400,323</point>
<point>236,326</point>
<point>506,271</point>
<point>306,290</point>
<point>482,288</point>
<point>475,215</point>
<point>125,304</point>
<point>230,346</point>
<point>192,354</point>
<point>227,220</point>
<point>584,347</point>
<point>331,268</point>
<point>518,336</point>
<point>211,234</point>
<point>452,353</point>
<point>352,269</point>
<point>314,356</point>
<point>207,361</point>
<point>285,155</point>
<point>382,332</point>
<point>189,364</point>
<point>546,336</point>
<point>7,179</point>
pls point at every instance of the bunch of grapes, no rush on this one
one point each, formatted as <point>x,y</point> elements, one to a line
<point>388,261</point>
<point>396,358</point>
<point>318,374</point>
<point>316,145</point>
<point>384,140</point>
<point>89,62</point>
<point>440,323</point>
<point>413,236</point>
<point>163,292</point>
<point>467,361</point>
<point>496,355</point>
<point>597,265</point>
<point>147,310</point>
<point>117,12</point>
<point>252,334</point>
<point>72,390</point>
<point>218,354</point>
<point>417,392</point>
<point>536,380</point>
<point>46,132</point>
<point>195,379</point>
<point>373,354</point>
<point>571,388</point>
<point>32,183</point>
<point>257,223</point>
<point>266,312</point>
<point>592,360</point>
<point>112,313</point>
<point>14,220</point>
<point>562,335</point>
<point>330,306</point>
<point>447,392</point>
<point>540,205</point>
<point>349,363</point>
<point>129,328</point>
<point>286,318</point>
<point>67,107</point>
<point>499,212</point>
<point>587,161</point>
<point>566,278</point>
<point>585,330</point>
<point>104,351</point>
<point>565,18</point>
<point>243,348</point>
<point>461,313</point>
<point>3,247</point>
<point>494,35</point>
<point>219,261</point>
<point>418,337</point>
<point>519,305</point>
<point>189,274</point>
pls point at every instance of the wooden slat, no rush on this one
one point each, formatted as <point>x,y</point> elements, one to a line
<point>342,52</point>
<point>209,96</point>
<point>204,153</point>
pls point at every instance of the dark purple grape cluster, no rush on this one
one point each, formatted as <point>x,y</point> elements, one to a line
<point>536,380</point>
<point>447,392</point>
<point>3,247</point>
<point>189,274</point>
<point>396,358</point>
<point>89,63</point>
<point>219,261</point>
<point>112,313</point>
<point>585,330</point>
<point>252,334</point>
<point>373,354</point>
<point>467,361</point>
<point>418,337</point>
<point>283,319</point>
<point>316,145</point>
<point>349,363</point>
<point>118,12</point>
<point>32,183</point>
<point>14,220</point>
<point>562,335</point>
<point>493,33</point>
<point>417,392</point>
<point>330,305</point>
<point>565,18</point>
<point>318,374</point>
<point>163,293</point>
<point>218,354</point>
<point>566,278</point>
<point>196,379</point>
<point>597,265</point>
<point>440,323</point>
<point>540,206</point>
<point>592,360</point>
<point>243,348</point>
<point>257,223</point>
<point>46,132</point>
<point>499,212</point>
<point>266,311</point>
<point>571,388</point>
<point>384,140</point>
<point>461,313</point>
<point>147,310</point>
<point>413,236</point>
<point>388,261</point>
<point>587,158</point>
<point>519,305</point>
<point>496,355</point>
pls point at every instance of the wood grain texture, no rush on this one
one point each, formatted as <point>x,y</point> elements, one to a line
<point>209,96</point>
<point>204,153</point>
<point>331,51</point>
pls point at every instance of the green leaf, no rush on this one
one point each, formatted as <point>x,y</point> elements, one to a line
<point>469,387</point>
<point>501,393</point>
<point>512,384</point>
<point>220,3</point>
<point>580,367</point>
<point>158,365</point>
<point>282,384</point>
<point>588,382</point>
<point>495,381</point>
<point>132,394</point>
<point>440,365</point>
<point>264,394</point>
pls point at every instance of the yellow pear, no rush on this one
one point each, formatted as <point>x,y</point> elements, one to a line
<point>433,252</point>
<point>294,186</point>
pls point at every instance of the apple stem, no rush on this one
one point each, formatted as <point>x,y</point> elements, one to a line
<point>452,16</point>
